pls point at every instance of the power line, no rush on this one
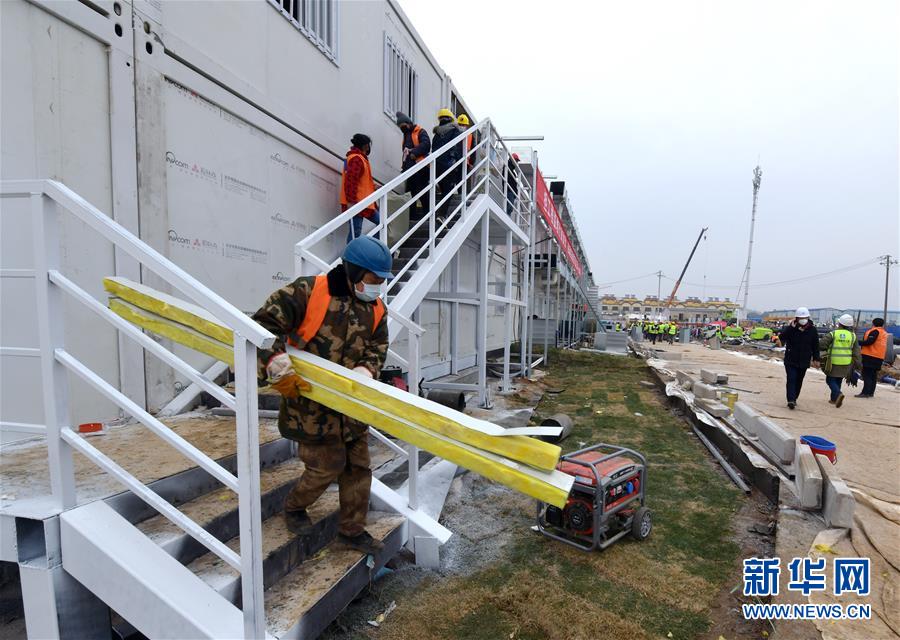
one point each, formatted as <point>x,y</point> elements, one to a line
<point>814,276</point>
<point>603,285</point>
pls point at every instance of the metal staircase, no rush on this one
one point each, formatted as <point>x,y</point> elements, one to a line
<point>199,554</point>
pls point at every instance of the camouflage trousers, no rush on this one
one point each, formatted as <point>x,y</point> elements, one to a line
<point>344,462</point>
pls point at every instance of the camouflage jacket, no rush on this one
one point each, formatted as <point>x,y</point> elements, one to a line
<point>345,337</point>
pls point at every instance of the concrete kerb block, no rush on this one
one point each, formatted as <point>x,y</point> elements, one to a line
<point>703,390</point>
<point>670,355</point>
<point>808,478</point>
<point>684,379</point>
<point>713,407</point>
<point>746,416</point>
<point>838,502</point>
<point>713,377</point>
<point>779,441</point>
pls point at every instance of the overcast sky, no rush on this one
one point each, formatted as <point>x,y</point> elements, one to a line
<point>655,114</point>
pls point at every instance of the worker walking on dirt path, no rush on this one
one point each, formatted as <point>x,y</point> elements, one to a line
<point>801,346</point>
<point>653,332</point>
<point>842,357</point>
<point>338,316</point>
<point>416,147</point>
<point>357,184</point>
<point>873,349</point>
<point>673,331</point>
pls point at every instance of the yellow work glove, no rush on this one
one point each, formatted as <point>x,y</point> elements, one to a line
<point>284,379</point>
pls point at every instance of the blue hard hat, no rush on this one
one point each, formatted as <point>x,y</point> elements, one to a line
<point>370,254</point>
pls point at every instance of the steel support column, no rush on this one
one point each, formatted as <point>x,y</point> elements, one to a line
<point>481,324</point>
<point>507,319</point>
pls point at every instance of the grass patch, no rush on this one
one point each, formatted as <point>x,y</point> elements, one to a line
<point>542,589</point>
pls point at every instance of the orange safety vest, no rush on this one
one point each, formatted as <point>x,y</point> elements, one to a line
<point>470,142</point>
<point>415,141</point>
<point>366,183</point>
<point>877,349</point>
<point>317,307</point>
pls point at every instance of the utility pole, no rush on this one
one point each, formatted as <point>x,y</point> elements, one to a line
<point>887,262</point>
<point>659,277</point>
<point>745,281</point>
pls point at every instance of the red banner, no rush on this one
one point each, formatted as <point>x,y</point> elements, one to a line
<point>554,221</point>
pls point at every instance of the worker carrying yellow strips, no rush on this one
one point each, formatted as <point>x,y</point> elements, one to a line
<point>340,317</point>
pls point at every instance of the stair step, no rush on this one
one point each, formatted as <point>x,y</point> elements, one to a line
<point>217,512</point>
<point>311,596</point>
<point>282,550</point>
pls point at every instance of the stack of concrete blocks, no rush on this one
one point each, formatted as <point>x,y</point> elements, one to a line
<point>706,393</point>
<point>838,502</point>
<point>778,441</point>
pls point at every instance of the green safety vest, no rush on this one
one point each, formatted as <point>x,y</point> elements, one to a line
<point>673,329</point>
<point>842,347</point>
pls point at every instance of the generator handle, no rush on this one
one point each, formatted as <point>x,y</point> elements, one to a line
<point>616,452</point>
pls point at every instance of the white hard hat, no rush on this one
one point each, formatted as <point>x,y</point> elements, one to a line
<point>802,312</point>
<point>846,320</point>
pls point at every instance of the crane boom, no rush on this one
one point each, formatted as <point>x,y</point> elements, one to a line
<point>683,271</point>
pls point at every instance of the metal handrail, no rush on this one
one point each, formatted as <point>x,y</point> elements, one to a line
<point>143,253</point>
<point>49,198</point>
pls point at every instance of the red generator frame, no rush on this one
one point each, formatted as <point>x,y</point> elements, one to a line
<point>607,500</point>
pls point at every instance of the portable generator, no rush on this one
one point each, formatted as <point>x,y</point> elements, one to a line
<point>606,502</point>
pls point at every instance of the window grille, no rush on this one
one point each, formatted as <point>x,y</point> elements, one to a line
<point>316,19</point>
<point>401,82</point>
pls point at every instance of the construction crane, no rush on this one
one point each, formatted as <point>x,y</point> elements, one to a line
<point>683,271</point>
<point>745,279</point>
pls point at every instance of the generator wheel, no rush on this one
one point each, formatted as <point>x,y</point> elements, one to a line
<point>642,523</point>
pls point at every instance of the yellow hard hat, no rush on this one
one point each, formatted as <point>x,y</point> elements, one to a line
<point>463,120</point>
<point>445,113</point>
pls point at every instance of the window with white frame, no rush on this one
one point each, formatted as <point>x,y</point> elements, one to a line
<point>401,83</point>
<point>316,19</point>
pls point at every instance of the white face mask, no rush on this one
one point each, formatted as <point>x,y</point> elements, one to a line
<point>803,321</point>
<point>369,293</point>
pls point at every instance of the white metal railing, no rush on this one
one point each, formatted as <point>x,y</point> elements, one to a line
<point>49,201</point>
<point>486,165</point>
<point>489,167</point>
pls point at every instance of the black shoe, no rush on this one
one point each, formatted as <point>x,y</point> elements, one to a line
<point>791,405</point>
<point>363,542</point>
<point>862,395</point>
<point>298,522</point>
<point>839,401</point>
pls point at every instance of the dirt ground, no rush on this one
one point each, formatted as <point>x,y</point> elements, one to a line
<point>499,579</point>
<point>866,432</point>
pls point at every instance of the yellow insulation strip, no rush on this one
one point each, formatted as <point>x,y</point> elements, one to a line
<point>497,471</point>
<point>172,330</point>
<point>169,307</point>
<point>531,451</point>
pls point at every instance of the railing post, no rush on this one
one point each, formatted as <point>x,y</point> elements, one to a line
<point>413,385</point>
<point>383,213</point>
<point>464,187</point>
<point>51,331</point>
<point>432,196</point>
<point>250,520</point>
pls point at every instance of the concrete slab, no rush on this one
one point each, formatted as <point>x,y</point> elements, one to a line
<point>746,416</point>
<point>838,502</point>
<point>808,478</point>
<point>703,390</point>
<point>713,407</point>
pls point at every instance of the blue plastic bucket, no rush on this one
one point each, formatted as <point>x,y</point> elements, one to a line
<point>821,446</point>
